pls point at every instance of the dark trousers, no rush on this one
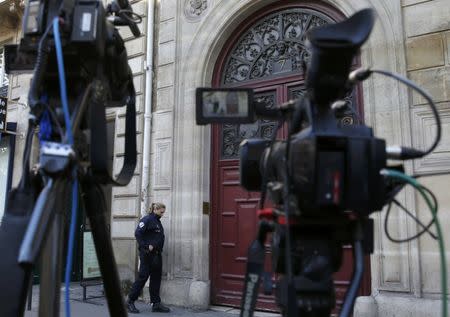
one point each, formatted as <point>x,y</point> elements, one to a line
<point>151,265</point>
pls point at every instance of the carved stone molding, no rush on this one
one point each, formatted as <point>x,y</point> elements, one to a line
<point>162,173</point>
<point>424,127</point>
<point>194,9</point>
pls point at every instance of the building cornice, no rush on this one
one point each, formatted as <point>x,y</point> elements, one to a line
<point>11,12</point>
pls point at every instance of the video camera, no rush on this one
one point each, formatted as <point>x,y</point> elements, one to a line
<point>324,180</point>
<point>76,43</point>
<point>95,65</point>
<point>93,47</point>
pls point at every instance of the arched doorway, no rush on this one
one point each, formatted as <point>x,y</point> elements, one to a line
<point>265,53</point>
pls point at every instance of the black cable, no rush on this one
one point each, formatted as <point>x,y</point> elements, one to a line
<point>25,179</point>
<point>426,227</point>
<point>264,172</point>
<point>101,193</point>
<point>130,16</point>
<point>428,98</point>
<point>34,98</point>
<point>358,255</point>
<point>292,308</point>
<point>55,120</point>
<point>79,112</point>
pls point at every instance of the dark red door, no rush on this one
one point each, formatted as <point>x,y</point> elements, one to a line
<point>266,54</point>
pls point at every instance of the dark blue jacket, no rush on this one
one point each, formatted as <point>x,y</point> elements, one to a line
<point>150,232</point>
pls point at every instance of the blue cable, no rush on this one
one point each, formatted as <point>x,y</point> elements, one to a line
<point>62,80</point>
<point>73,221</point>
<point>45,127</point>
<point>69,137</point>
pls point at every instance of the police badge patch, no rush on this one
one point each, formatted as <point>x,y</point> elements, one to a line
<point>141,224</point>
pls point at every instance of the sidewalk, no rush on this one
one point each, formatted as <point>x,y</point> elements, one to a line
<point>97,307</point>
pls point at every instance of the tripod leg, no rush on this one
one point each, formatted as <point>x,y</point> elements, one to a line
<point>30,293</point>
<point>51,256</point>
<point>358,254</point>
<point>49,290</point>
<point>95,210</point>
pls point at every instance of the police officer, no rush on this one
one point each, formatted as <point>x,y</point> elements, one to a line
<point>150,238</point>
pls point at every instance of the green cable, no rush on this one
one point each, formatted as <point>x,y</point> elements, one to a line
<point>419,187</point>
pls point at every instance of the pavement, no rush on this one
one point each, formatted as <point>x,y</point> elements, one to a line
<point>95,305</point>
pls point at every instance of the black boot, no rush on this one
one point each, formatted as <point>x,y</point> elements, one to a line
<point>160,308</point>
<point>131,308</point>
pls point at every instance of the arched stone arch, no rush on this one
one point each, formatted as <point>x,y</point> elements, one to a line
<point>385,103</point>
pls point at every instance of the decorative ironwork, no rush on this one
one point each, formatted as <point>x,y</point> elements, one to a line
<point>348,115</point>
<point>233,134</point>
<point>296,92</point>
<point>274,46</point>
<point>195,8</point>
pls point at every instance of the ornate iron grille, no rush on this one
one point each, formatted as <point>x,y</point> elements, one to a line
<point>273,47</point>
<point>233,134</point>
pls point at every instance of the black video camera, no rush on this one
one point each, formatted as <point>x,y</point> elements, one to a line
<point>80,68</point>
<point>93,47</point>
<point>95,65</point>
<point>323,180</point>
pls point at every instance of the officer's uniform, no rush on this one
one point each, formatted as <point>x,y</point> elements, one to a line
<point>149,232</point>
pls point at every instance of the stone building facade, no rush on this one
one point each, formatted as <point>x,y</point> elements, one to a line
<point>186,38</point>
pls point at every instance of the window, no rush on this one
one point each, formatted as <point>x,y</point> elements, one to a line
<point>4,81</point>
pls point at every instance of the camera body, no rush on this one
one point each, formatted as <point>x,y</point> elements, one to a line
<point>93,47</point>
<point>337,169</point>
<point>96,68</point>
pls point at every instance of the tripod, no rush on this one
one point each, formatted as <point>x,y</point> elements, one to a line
<point>314,255</point>
<point>98,71</point>
<point>26,235</point>
<point>42,229</point>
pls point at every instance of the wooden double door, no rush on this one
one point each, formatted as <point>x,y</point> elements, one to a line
<point>266,53</point>
<point>233,219</point>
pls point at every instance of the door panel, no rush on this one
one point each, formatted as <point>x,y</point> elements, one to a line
<point>237,229</point>
<point>234,209</point>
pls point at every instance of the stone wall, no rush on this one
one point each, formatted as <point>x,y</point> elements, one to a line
<point>406,278</point>
<point>126,200</point>
<point>427,32</point>
<point>199,30</point>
